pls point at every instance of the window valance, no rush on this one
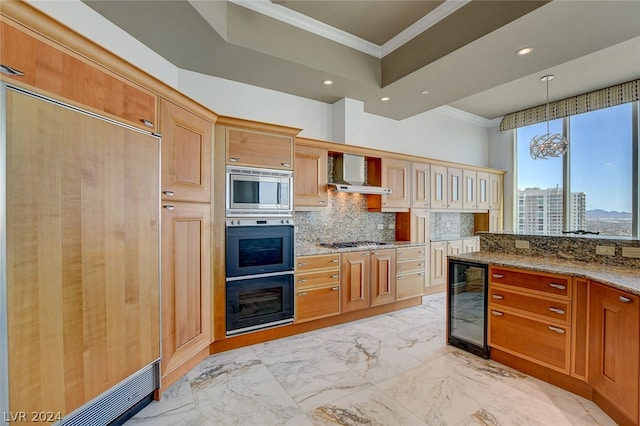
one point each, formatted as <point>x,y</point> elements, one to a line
<point>603,98</point>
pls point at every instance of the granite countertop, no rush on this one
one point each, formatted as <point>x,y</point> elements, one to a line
<point>309,249</point>
<point>450,238</point>
<point>623,278</point>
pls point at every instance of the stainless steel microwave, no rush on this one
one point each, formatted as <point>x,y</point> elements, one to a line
<point>259,192</point>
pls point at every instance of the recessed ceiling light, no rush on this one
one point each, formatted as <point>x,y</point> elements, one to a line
<point>385,98</point>
<point>327,82</point>
<point>524,51</point>
<point>424,92</point>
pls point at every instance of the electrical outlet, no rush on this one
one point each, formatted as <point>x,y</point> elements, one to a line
<point>631,252</point>
<point>381,226</point>
<point>522,244</point>
<point>392,226</point>
<point>606,250</point>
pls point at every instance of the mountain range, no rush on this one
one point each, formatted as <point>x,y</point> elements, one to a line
<point>603,214</point>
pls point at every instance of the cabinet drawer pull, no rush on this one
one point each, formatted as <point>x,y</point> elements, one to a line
<point>401,267</point>
<point>498,275</point>
<point>304,280</point>
<point>557,310</point>
<point>335,276</point>
<point>401,277</point>
<point>558,286</point>
<point>147,122</point>
<point>6,69</point>
<point>336,288</point>
<point>286,164</point>
<point>624,299</point>
<point>302,264</point>
<point>375,253</point>
<point>497,313</point>
<point>400,253</point>
<point>556,329</point>
<point>420,251</point>
<point>420,264</point>
<point>497,296</point>
<point>321,202</point>
<point>303,293</point>
<point>365,254</point>
<point>168,207</point>
<point>234,159</point>
<point>421,274</point>
<point>168,193</point>
<point>334,260</point>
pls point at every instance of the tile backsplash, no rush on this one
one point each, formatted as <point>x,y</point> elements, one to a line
<point>450,226</point>
<point>344,219</point>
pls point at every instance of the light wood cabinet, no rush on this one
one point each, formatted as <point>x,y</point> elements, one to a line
<point>614,358</point>
<point>420,185</point>
<point>495,191</point>
<point>186,154</point>
<point>482,190</point>
<point>317,287</point>
<point>580,329</point>
<point>247,147</point>
<point>495,221</point>
<point>410,269</point>
<point>59,72</point>
<point>439,187</point>
<point>438,263</point>
<point>355,270</point>
<point>389,173</point>
<point>469,190</point>
<point>470,245</point>
<point>530,316</point>
<point>310,177</point>
<point>82,254</point>
<point>383,276</point>
<point>186,282</point>
<point>454,183</point>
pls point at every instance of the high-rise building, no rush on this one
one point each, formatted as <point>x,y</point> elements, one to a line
<point>540,211</point>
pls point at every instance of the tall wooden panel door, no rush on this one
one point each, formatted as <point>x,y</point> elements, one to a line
<point>420,185</point>
<point>614,355</point>
<point>310,177</point>
<point>186,154</point>
<point>186,282</point>
<point>82,259</point>
<point>438,263</point>
<point>383,277</point>
<point>354,280</point>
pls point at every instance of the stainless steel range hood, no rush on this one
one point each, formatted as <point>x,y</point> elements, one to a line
<point>348,173</point>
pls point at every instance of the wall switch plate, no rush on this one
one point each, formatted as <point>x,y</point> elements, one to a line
<point>631,252</point>
<point>522,244</point>
<point>392,226</point>
<point>606,250</point>
<point>381,226</point>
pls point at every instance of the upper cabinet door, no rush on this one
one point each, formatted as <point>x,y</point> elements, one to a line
<point>420,183</point>
<point>455,188</point>
<point>310,177</point>
<point>482,190</point>
<point>495,192</point>
<point>186,154</point>
<point>395,175</point>
<point>469,190</point>
<point>439,187</point>
<point>256,148</point>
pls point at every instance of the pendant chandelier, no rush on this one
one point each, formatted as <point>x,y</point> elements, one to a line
<point>548,145</point>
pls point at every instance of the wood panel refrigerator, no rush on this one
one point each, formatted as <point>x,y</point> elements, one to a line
<point>79,262</point>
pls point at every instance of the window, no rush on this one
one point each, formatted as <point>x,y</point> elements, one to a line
<point>599,176</point>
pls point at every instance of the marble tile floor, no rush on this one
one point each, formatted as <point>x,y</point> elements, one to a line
<point>392,369</point>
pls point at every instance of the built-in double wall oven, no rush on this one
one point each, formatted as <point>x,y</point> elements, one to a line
<point>259,273</point>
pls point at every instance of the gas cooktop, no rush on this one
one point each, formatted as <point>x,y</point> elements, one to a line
<point>355,244</point>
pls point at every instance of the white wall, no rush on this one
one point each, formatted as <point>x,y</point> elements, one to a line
<point>501,156</point>
<point>443,133</point>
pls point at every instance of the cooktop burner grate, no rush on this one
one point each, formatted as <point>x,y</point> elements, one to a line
<point>356,244</point>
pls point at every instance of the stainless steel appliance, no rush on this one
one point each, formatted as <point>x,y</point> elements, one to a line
<point>259,273</point>
<point>467,307</point>
<point>356,244</point>
<point>253,192</point>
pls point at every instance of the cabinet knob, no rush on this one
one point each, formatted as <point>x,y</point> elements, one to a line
<point>234,159</point>
<point>146,122</point>
<point>556,329</point>
<point>6,69</point>
<point>168,193</point>
<point>624,299</point>
<point>558,286</point>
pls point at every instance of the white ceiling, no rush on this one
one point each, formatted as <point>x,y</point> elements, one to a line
<point>462,52</point>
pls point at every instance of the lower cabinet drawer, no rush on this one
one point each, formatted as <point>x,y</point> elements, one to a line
<point>545,343</point>
<point>553,309</point>
<point>313,279</point>
<point>409,285</point>
<point>410,266</point>
<point>317,303</point>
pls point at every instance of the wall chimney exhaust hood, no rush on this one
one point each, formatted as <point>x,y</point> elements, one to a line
<point>348,173</point>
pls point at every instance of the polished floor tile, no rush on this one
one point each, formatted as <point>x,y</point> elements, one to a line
<point>392,369</point>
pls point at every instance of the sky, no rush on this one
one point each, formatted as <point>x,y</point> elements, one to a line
<point>601,151</point>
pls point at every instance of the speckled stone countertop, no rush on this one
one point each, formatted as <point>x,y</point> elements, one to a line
<point>309,249</point>
<point>623,278</point>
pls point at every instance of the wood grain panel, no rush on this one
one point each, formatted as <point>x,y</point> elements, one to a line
<point>383,277</point>
<point>310,177</point>
<point>252,148</point>
<point>580,329</point>
<point>82,253</point>
<point>317,303</point>
<point>420,185</point>
<point>354,278</point>
<point>186,154</point>
<point>62,73</point>
<point>537,283</point>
